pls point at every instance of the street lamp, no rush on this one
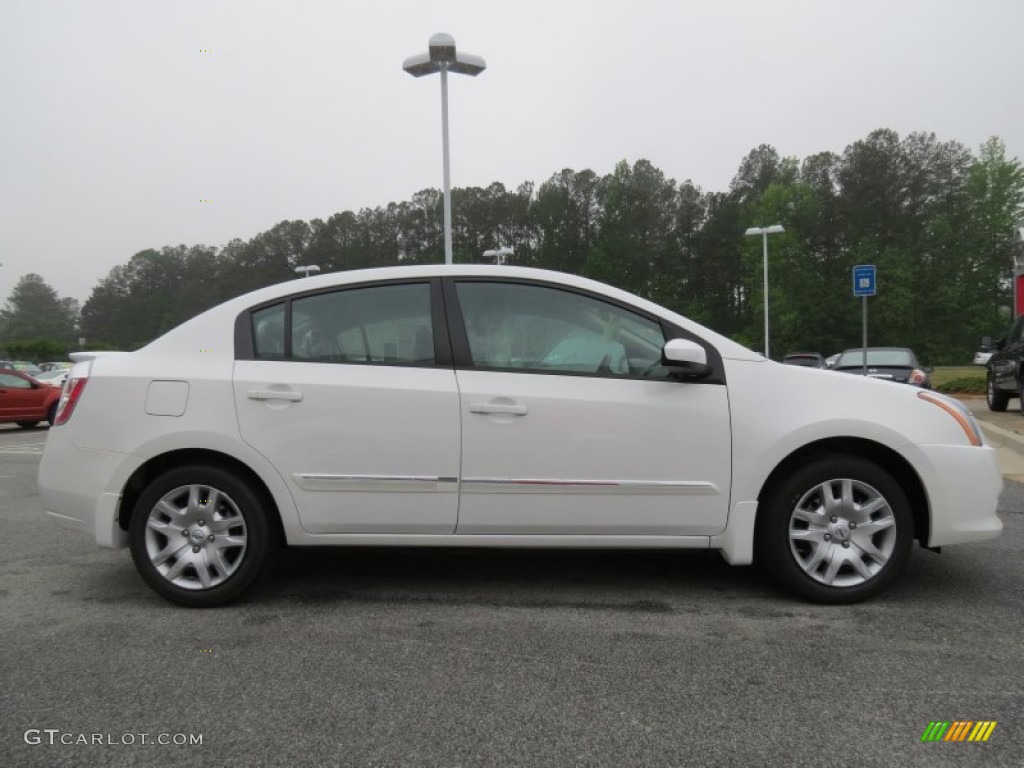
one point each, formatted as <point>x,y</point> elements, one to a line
<point>774,229</point>
<point>500,255</point>
<point>307,270</point>
<point>442,57</point>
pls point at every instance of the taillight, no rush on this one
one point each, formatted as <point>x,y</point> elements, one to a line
<point>917,376</point>
<point>69,399</point>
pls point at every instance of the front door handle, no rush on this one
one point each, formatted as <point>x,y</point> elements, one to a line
<point>274,394</point>
<point>510,409</point>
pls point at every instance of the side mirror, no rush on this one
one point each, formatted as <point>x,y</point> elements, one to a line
<point>1000,343</point>
<point>685,357</point>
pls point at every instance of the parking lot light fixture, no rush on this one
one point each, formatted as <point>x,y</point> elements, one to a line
<point>499,255</point>
<point>774,229</point>
<point>442,57</point>
<point>307,270</point>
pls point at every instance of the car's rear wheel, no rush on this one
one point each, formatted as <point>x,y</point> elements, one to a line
<point>838,530</point>
<point>997,401</point>
<point>200,536</point>
<point>51,415</point>
<point>27,424</point>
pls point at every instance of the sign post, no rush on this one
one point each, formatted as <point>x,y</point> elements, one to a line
<point>864,285</point>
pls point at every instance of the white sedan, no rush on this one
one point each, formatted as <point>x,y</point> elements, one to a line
<point>499,407</point>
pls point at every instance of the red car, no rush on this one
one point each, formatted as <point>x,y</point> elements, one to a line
<point>26,401</point>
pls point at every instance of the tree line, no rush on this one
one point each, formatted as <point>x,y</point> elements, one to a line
<point>935,218</point>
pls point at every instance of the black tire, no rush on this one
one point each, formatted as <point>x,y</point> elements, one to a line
<point>51,415</point>
<point>997,401</point>
<point>799,553</point>
<point>27,424</point>
<point>231,541</point>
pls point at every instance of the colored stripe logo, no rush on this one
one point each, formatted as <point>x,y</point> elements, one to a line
<point>959,730</point>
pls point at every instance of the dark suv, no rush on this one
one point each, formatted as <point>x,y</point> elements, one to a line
<point>1004,367</point>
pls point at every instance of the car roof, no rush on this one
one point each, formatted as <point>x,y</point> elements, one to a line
<point>196,332</point>
<point>878,349</point>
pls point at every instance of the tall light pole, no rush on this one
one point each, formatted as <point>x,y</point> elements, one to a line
<point>442,57</point>
<point>774,229</point>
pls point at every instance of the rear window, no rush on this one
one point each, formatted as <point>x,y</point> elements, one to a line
<point>805,360</point>
<point>899,358</point>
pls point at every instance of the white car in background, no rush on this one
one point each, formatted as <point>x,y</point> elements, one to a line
<point>985,351</point>
<point>55,377</point>
<point>499,407</point>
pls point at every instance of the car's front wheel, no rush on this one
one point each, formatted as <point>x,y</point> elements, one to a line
<point>200,536</point>
<point>838,530</point>
<point>997,401</point>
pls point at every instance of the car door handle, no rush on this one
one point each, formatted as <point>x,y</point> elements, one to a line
<point>506,408</point>
<point>274,394</point>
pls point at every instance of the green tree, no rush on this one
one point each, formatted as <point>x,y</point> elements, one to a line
<point>937,222</point>
<point>565,215</point>
<point>995,193</point>
<point>635,240</point>
<point>37,350</point>
<point>35,311</point>
<point>718,291</point>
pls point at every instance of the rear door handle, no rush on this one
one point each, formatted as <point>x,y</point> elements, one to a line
<point>507,408</point>
<point>274,394</point>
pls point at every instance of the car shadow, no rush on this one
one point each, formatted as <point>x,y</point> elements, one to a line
<point>646,581</point>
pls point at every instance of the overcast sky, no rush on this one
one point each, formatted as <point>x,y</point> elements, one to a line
<point>116,121</point>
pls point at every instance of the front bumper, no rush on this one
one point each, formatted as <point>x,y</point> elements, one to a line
<point>963,484</point>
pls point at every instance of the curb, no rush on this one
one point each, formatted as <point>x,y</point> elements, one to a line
<point>1009,450</point>
<point>1011,440</point>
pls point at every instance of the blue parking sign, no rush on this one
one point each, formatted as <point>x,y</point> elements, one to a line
<point>864,280</point>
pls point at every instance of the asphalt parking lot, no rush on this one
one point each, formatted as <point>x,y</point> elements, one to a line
<point>509,658</point>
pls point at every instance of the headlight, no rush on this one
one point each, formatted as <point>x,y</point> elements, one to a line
<point>958,411</point>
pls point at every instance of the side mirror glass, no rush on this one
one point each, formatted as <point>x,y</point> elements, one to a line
<point>685,357</point>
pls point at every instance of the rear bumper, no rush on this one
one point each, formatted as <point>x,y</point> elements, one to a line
<point>102,523</point>
<point>71,486</point>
